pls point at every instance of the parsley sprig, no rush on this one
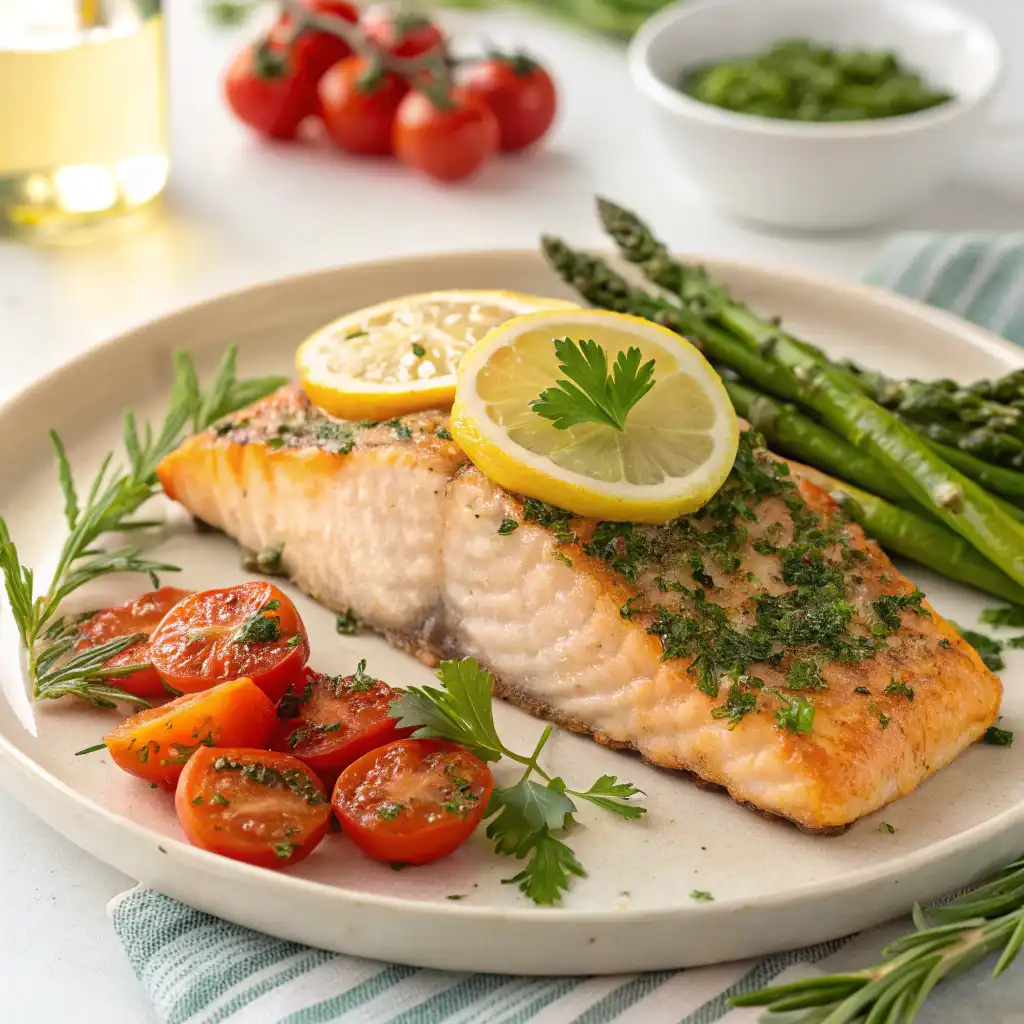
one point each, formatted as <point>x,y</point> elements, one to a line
<point>592,394</point>
<point>527,819</point>
<point>114,495</point>
<point>965,930</point>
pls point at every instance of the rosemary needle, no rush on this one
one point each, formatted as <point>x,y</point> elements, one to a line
<point>114,496</point>
<point>964,931</point>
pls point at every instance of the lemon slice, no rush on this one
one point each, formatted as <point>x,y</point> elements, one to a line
<point>401,356</point>
<point>675,450</point>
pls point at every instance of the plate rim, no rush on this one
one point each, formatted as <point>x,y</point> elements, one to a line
<point>34,774</point>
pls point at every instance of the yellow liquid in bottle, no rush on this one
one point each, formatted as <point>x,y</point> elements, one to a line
<point>83,131</point>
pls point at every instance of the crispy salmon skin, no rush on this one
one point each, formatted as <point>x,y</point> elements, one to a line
<point>763,643</point>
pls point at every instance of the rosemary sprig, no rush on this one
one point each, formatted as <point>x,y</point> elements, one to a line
<point>964,931</point>
<point>114,496</point>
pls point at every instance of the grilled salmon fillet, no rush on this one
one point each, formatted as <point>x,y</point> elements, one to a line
<point>763,643</point>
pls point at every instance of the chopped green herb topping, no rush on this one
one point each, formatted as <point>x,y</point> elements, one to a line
<point>987,647</point>
<point>622,546</point>
<point>889,606</point>
<point>217,798</point>
<point>442,433</point>
<point>260,628</point>
<point>738,702</point>
<point>805,674</point>
<point>288,705</point>
<point>346,623</point>
<point>998,737</point>
<point>883,720</point>
<point>550,516</point>
<point>284,849</point>
<point>900,688</point>
<point>945,644</point>
<point>1011,616</point>
<point>418,350</point>
<point>360,682</point>
<point>701,894</point>
<point>797,715</point>
<point>399,428</point>
<point>886,827</point>
<point>268,562</point>
<point>561,557</point>
<point>309,732</point>
<point>507,526</point>
<point>862,690</point>
<point>388,812</point>
<point>301,784</point>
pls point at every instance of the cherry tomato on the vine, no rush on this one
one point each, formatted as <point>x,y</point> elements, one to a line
<point>413,801</point>
<point>156,743</point>
<point>519,91</point>
<point>314,52</point>
<point>405,34</point>
<point>142,615</point>
<point>339,718</point>
<point>250,630</point>
<point>256,806</point>
<point>447,137</point>
<point>266,90</point>
<point>358,104</point>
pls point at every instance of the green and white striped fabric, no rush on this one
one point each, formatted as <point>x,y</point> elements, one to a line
<point>201,970</point>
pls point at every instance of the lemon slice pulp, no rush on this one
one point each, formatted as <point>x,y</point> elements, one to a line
<point>401,356</point>
<point>674,452</point>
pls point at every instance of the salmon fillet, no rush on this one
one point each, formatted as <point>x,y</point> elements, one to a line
<point>763,643</point>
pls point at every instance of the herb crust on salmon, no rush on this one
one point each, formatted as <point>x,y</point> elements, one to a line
<point>762,643</point>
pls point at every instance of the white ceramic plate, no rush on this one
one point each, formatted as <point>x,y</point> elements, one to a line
<point>773,887</point>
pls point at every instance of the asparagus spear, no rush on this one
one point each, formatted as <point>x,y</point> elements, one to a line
<point>1006,482</point>
<point>918,538</point>
<point>960,502</point>
<point>970,419</point>
<point>793,434</point>
<point>601,286</point>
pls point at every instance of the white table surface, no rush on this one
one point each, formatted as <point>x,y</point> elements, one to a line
<point>238,213</point>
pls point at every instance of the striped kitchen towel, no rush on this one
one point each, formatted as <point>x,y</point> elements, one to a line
<point>198,969</point>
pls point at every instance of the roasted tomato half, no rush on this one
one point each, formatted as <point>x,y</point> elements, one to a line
<point>142,615</point>
<point>337,720</point>
<point>156,743</point>
<point>413,801</point>
<point>250,630</point>
<point>257,806</point>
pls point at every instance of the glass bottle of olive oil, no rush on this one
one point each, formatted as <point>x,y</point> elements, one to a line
<point>83,132</point>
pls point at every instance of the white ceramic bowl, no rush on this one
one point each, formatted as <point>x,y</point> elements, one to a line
<point>815,176</point>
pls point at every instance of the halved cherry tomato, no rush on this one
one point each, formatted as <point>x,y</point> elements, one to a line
<point>142,615</point>
<point>358,106</point>
<point>413,801</point>
<point>446,140</point>
<point>257,806</point>
<point>265,89</point>
<point>314,52</point>
<point>519,91</point>
<point>250,630</point>
<point>339,719</point>
<point>402,34</point>
<point>156,743</point>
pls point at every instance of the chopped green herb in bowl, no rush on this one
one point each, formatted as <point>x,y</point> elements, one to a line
<point>800,80</point>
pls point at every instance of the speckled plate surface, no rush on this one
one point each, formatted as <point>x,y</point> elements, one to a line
<point>774,887</point>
